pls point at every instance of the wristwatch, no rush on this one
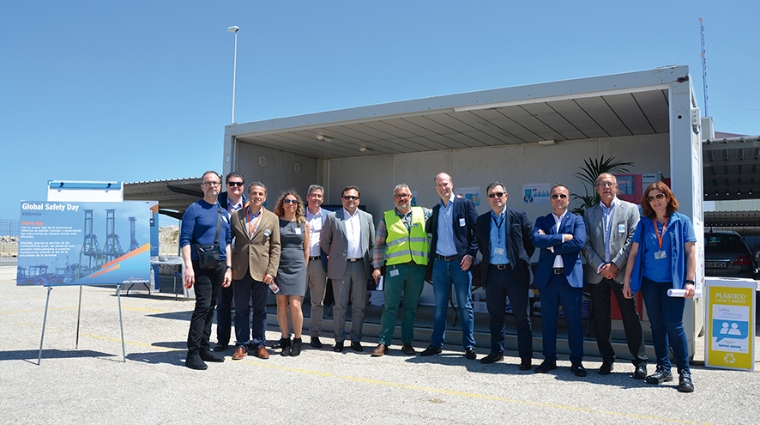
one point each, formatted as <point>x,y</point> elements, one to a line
<point>229,267</point>
<point>689,281</point>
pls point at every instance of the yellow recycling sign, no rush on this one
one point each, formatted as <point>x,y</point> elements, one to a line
<point>730,327</point>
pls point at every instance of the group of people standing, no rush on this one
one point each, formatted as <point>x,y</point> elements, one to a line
<point>298,247</point>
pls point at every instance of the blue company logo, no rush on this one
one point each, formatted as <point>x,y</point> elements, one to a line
<point>723,329</point>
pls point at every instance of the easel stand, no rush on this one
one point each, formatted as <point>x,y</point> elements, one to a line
<point>44,322</point>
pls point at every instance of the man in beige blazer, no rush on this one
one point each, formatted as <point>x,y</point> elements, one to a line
<point>255,258</point>
<point>610,226</point>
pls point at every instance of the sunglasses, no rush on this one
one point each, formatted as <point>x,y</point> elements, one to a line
<point>290,201</point>
<point>351,198</point>
<point>558,196</point>
<point>238,184</point>
<point>658,196</point>
<point>496,195</point>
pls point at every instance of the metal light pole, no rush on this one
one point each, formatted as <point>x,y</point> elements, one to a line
<point>235,30</point>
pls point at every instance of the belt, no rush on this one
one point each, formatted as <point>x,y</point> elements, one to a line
<point>353,260</point>
<point>315,258</point>
<point>501,266</point>
<point>558,270</point>
<point>445,258</point>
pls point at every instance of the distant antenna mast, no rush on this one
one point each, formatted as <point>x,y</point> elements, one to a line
<point>704,63</point>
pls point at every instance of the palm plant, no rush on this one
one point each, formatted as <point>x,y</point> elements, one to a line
<point>589,173</point>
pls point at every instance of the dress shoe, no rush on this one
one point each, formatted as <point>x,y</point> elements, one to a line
<point>357,346</point>
<point>220,347</point>
<point>430,351</point>
<point>285,344</point>
<point>606,367</point>
<point>262,353</point>
<point>275,346</point>
<point>684,383</point>
<point>295,350</point>
<point>659,376</point>
<point>380,350</point>
<point>338,347</point>
<point>240,353</point>
<point>525,364</point>
<point>492,358</point>
<point>546,366</point>
<point>641,371</point>
<point>578,369</point>
<point>315,342</point>
<point>407,349</point>
<point>194,361</point>
<point>211,356</point>
<point>469,354</point>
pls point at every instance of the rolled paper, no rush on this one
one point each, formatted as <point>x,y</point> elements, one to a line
<point>677,293</point>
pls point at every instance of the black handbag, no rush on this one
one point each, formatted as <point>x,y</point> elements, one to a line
<point>209,255</point>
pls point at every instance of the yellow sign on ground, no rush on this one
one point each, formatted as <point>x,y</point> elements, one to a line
<point>730,342</point>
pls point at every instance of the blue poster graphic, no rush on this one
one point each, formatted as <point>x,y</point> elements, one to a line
<point>84,243</point>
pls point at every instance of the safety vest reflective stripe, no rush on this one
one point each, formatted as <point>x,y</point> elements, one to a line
<point>402,245</point>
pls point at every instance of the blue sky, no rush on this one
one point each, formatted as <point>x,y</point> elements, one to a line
<point>141,90</point>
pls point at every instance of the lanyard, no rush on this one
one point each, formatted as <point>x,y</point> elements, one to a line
<point>657,232</point>
<point>498,225</point>
<point>251,225</point>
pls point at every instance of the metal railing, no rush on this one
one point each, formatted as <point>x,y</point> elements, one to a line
<point>9,233</point>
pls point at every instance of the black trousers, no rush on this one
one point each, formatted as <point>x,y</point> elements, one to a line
<point>600,304</point>
<point>207,285</point>
<point>224,316</point>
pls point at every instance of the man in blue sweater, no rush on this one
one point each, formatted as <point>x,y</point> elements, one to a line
<point>205,223</point>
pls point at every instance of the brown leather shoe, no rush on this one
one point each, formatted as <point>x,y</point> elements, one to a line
<point>262,353</point>
<point>240,353</point>
<point>380,350</point>
<point>408,349</point>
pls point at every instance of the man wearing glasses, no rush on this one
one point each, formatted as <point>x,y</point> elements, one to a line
<point>504,239</point>
<point>452,250</point>
<point>559,277</point>
<point>402,246</point>
<point>204,223</point>
<point>231,200</point>
<point>611,225</point>
<point>348,237</point>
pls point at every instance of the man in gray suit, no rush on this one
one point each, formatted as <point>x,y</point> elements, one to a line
<point>610,226</point>
<point>347,238</point>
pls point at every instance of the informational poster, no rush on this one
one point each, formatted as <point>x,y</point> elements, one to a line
<point>84,243</point>
<point>536,193</point>
<point>730,335</point>
<point>471,193</point>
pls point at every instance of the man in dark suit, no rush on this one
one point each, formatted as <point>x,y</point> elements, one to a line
<point>504,239</point>
<point>452,251</point>
<point>347,238</point>
<point>610,225</point>
<point>559,277</point>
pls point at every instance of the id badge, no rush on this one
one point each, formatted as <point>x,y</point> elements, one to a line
<point>621,228</point>
<point>461,222</point>
<point>498,251</point>
<point>659,255</point>
<point>298,230</point>
<point>393,272</point>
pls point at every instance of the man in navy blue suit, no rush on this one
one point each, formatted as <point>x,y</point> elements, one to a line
<point>504,239</point>
<point>559,277</point>
<point>452,251</point>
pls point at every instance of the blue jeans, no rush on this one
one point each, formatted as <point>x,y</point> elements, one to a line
<point>666,319</point>
<point>444,274</point>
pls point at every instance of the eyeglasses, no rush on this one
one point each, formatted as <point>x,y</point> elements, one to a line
<point>351,198</point>
<point>496,195</point>
<point>658,196</point>
<point>606,184</point>
<point>559,195</point>
<point>212,184</point>
<point>290,201</point>
<point>238,184</point>
<point>402,196</point>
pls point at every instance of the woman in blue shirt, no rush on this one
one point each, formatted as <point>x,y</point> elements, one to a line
<point>663,256</point>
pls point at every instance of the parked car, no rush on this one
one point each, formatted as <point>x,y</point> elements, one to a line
<point>726,255</point>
